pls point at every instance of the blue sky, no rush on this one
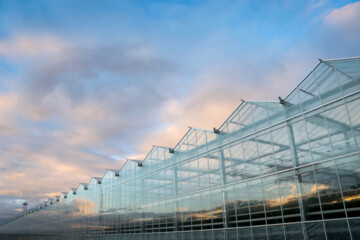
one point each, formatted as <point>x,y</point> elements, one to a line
<point>86,84</point>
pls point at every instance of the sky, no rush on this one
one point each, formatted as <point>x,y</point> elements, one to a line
<point>85,85</point>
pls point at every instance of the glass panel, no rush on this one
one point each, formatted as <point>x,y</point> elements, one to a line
<point>308,93</point>
<point>251,158</point>
<point>339,130</point>
<point>259,233</point>
<point>272,203</point>
<point>260,115</point>
<point>231,234</point>
<point>206,211</point>
<point>244,233</point>
<point>294,231</point>
<point>353,108</point>
<point>219,234</point>
<point>292,106</point>
<point>303,154</point>
<point>266,156</point>
<point>282,152</point>
<point>228,164</point>
<point>330,195</point>
<point>230,197</point>
<point>242,207</point>
<point>320,143</point>
<point>337,230</point>
<point>238,168</point>
<point>349,175</point>
<point>276,232</point>
<point>355,228</point>
<point>309,196</point>
<point>347,73</point>
<point>327,82</point>
<point>256,201</point>
<point>315,230</point>
<point>217,207</point>
<point>289,199</point>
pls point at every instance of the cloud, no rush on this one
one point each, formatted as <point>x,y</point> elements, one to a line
<point>8,102</point>
<point>217,91</point>
<point>345,21</point>
<point>315,4</point>
<point>35,175</point>
<point>98,94</point>
<point>346,15</point>
<point>29,46</point>
<point>73,116</point>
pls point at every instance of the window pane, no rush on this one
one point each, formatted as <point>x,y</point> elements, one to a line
<point>294,231</point>
<point>256,204</point>
<point>320,144</point>
<point>309,196</point>
<point>353,108</point>
<point>244,233</point>
<point>289,199</point>
<point>315,230</point>
<point>330,195</point>
<point>337,230</point>
<point>340,132</point>
<point>272,203</point>
<point>303,153</point>
<point>349,175</point>
<point>355,228</point>
<point>276,232</point>
<point>259,232</point>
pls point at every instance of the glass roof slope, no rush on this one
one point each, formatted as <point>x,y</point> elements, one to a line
<point>115,171</point>
<point>95,180</point>
<point>326,81</point>
<point>194,142</point>
<point>157,157</point>
<point>73,190</point>
<point>85,185</point>
<point>128,170</point>
<point>349,67</point>
<point>63,195</point>
<point>251,116</point>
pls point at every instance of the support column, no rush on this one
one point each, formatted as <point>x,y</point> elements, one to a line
<point>142,209</point>
<point>223,182</point>
<point>298,177</point>
<point>176,193</point>
<point>101,219</point>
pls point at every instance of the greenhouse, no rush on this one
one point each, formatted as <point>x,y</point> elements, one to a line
<point>287,169</point>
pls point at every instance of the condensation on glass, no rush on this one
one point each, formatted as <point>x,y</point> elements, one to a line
<point>288,170</point>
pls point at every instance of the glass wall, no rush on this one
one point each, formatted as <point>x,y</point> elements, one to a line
<point>288,170</point>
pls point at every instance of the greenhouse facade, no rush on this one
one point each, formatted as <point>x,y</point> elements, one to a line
<point>288,169</point>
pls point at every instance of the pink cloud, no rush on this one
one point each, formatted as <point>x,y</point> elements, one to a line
<point>32,46</point>
<point>347,14</point>
<point>345,20</point>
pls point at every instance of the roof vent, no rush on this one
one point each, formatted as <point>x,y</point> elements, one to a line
<point>282,101</point>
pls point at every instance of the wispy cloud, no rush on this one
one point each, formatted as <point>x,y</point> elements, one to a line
<point>31,46</point>
<point>315,4</point>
